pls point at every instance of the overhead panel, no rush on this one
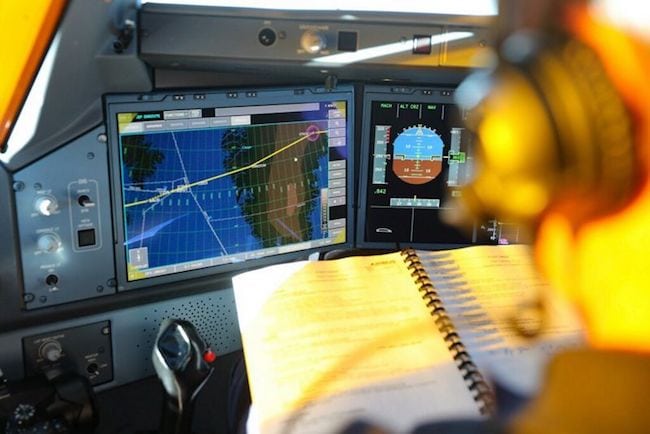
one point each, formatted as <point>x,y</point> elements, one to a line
<point>309,44</point>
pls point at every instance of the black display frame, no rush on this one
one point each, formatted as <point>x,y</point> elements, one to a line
<point>220,98</point>
<point>399,94</point>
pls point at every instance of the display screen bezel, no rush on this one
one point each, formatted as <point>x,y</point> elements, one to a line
<point>399,94</point>
<point>211,98</point>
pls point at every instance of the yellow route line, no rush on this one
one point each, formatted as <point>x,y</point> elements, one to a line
<point>185,187</point>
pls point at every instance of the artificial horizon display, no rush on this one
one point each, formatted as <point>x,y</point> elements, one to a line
<point>417,157</point>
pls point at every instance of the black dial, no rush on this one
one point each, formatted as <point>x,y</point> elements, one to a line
<point>266,36</point>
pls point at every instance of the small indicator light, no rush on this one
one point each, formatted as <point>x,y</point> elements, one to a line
<point>209,356</point>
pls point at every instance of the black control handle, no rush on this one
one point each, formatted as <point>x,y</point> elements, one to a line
<point>182,361</point>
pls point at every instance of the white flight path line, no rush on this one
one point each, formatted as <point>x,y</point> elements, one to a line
<point>205,215</point>
<point>144,218</point>
<point>153,205</point>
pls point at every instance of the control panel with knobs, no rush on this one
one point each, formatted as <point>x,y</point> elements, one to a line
<point>65,227</point>
<point>85,350</point>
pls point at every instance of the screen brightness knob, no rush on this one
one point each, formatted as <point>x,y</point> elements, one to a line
<point>48,243</point>
<point>51,351</point>
<point>46,205</point>
<point>313,42</point>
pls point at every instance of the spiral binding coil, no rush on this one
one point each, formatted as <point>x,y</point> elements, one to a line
<point>482,392</point>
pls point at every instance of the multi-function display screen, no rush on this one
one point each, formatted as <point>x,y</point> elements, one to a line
<point>208,185</point>
<point>417,156</point>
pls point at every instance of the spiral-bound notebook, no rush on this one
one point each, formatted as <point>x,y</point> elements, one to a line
<point>398,340</point>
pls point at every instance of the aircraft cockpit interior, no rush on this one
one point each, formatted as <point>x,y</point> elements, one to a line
<point>154,149</point>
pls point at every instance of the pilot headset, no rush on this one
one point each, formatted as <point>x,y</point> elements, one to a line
<point>552,132</point>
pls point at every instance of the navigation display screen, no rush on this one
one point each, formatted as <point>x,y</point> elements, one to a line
<point>204,184</point>
<point>417,155</point>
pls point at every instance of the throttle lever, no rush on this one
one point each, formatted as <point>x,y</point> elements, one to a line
<point>182,362</point>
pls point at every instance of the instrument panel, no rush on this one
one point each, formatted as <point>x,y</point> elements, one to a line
<point>206,182</point>
<point>215,140</point>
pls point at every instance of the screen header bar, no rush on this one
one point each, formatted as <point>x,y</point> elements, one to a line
<point>265,109</point>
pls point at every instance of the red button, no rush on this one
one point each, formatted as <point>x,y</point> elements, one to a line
<point>209,356</point>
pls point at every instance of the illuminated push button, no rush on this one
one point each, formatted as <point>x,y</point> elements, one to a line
<point>313,42</point>
<point>48,243</point>
<point>46,205</point>
<point>51,351</point>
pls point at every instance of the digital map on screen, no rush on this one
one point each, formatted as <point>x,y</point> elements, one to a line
<point>198,197</point>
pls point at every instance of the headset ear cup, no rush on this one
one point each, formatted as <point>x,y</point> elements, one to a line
<point>552,133</point>
<point>595,170</point>
<point>605,160</point>
<point>515,158</point>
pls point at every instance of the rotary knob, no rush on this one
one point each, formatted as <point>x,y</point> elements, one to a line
<point>46,205</point>
<point>48,243</point>
<point>51,351</point>
<point>313,41</point>
<point>24,416</point>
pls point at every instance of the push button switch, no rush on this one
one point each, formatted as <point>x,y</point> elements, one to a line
<point>86,237</point>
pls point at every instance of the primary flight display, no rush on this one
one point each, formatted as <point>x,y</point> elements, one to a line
<point>417,155</point>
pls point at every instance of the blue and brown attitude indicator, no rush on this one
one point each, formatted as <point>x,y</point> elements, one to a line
<point>417,155</point>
